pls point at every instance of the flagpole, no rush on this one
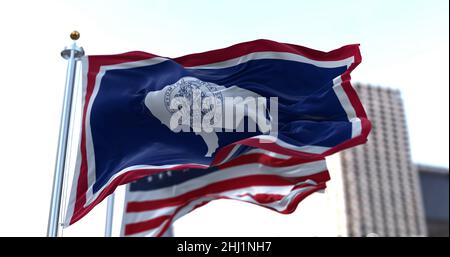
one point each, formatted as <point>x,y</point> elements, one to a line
<point>72,54</point>
<point>109,215</point>
<point>169,232</point>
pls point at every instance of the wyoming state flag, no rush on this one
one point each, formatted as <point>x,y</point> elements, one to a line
<point>144,114</point>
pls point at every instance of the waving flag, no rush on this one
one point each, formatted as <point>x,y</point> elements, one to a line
<point>274,181</point>
<point>144,114</point>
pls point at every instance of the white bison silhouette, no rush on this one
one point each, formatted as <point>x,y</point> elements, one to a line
<point>218,108</point>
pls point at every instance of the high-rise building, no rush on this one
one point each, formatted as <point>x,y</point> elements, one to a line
<point>379,181</point>
<point>382,192</point>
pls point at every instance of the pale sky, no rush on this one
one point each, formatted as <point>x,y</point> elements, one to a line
<point>404,45</point>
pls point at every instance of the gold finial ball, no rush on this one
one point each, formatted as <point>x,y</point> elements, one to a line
<point>75,35</point>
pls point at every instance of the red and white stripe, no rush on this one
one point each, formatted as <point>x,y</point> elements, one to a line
<point>256,177</point>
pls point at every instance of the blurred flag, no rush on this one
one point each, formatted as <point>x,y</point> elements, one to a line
<point>286,100</point>
<point>274,181</point>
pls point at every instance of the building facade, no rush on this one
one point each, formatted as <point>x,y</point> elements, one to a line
<point>435,194</point>
<point>380,184</point>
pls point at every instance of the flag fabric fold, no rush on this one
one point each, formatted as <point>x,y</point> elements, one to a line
<point>273,181</point>
<point>128,131</point>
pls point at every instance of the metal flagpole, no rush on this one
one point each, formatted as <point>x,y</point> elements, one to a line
<point>109,215</point>
<point>72,54</point>
<point>169,232</point>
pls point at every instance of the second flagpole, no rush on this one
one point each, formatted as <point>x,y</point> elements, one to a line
<point>109,215</point>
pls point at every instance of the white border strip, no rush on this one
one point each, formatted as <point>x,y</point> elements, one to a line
<point>275,55</point>
<point>348,107</point>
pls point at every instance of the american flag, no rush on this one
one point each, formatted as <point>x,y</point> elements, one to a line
<point>275,181</point>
